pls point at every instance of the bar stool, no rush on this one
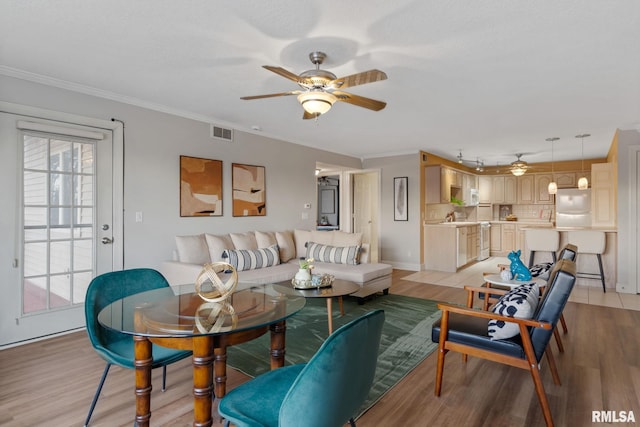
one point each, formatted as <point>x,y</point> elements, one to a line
<point>542,240</point>
<point>590,242</point>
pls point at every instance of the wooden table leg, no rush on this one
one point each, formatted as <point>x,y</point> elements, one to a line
<point>202,380</point>
<point>220,370</point>
<point>277,344</point>
<point>143,361</point>
<point>341,306</point>
<point>329,314</point>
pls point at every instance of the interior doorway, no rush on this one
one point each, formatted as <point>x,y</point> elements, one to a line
<point>328,202</point>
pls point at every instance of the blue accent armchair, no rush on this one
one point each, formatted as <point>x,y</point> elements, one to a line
<point>465,330</point>
<point>114,347</point>
<point>325,392</point>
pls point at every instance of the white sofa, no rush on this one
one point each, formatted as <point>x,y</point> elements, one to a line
<point>192,252</point>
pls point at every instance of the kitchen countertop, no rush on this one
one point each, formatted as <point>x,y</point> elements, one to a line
<point>525,223</point>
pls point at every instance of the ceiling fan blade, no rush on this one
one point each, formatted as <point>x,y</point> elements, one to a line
<point>359,101</point>
<point>282,72</point>
<point>307,115</point>
<point>358,79</point>
<point>272,95</point>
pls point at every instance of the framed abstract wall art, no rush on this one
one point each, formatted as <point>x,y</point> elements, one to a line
<point>200,187</point>
<point>400,199</point>
<point>249,190</point>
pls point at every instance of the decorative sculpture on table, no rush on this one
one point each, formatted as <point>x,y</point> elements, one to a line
<point>519,271</point>
<point>209,276</point>
<point>216,315</point>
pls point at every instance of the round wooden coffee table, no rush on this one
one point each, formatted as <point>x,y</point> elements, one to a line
<point>338,288</point>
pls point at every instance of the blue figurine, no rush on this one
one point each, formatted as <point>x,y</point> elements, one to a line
<point>518,270</point>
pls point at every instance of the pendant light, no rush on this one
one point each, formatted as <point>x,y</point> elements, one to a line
<point>583,183</point>
<point>553,186</point>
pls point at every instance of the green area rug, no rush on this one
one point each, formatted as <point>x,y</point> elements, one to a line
<point>406,338</point>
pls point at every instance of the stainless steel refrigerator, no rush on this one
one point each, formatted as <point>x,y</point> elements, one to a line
<point>573,208</point>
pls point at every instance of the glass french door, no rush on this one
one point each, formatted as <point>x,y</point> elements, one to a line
<point>61,225</point>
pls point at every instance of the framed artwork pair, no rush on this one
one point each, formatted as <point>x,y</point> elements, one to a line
<point>201,188</point>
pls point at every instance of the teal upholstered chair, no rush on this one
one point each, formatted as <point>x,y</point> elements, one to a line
<point>325,392</point>
<point>117,348</point>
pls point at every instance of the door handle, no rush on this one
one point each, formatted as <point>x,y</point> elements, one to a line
<point>106,241</point>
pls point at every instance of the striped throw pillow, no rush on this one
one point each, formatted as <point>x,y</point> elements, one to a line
<point>251,259</point>
<point>334,254</point>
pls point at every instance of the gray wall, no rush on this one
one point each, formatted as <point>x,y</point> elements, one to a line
<point>153,143</point>
<point>399,240</point>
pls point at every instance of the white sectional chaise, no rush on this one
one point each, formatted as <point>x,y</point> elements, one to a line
<point>192,252</point>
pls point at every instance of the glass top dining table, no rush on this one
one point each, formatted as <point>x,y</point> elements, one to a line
<point>178,312</point>
<point>177,317</point>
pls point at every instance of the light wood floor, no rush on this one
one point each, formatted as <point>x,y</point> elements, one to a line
<point>52,382</point>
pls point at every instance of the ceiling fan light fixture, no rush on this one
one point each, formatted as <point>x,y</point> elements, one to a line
<point>518,170</point>
<point>316,102</point>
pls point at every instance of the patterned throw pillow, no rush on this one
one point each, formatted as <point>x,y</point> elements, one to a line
<point>520,302</point>
<point>334,254</point>
<point>250,259</point>
<point>541,270</point>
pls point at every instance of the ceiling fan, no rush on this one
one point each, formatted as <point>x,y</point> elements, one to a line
<point>320,89</point>
<point>519,167</point>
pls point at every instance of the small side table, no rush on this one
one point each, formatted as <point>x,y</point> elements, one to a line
<point>496,279</point>
<point>338,288</point>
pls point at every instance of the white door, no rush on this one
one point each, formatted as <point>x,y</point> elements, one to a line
<point>57,223</point>
<point>365,210</point>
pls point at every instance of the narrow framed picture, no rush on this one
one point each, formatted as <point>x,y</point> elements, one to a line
<point>400,198</point>
<point>249,190</point>
<point>200,187</point>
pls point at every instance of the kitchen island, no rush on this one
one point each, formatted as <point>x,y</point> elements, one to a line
<point>453,246</point>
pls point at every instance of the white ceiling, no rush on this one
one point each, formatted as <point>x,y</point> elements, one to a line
<point>492,78</point>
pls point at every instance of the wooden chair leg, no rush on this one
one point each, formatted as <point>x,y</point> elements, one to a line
<point>556,335</point>
<point>542,396</point>
<point>564,324</point>
<point>553,367</point>
<point>444,326</point>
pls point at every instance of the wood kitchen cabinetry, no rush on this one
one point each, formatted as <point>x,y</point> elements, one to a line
<point>526,189</point>
<point>566,179</point>
<point>504,189</point>
<point>542,195</point>
<point>485,189</point>
<point>438,183</point>
<point>495,246</point>
<point>472,242</point>
<point>448,247</point>
<point>508,237</point>
<point>603,191</point>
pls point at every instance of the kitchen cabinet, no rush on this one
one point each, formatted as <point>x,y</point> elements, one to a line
<point>485,187</point>
<point>472,242</point>
<point>603,194</point>
<point>496,238</point>
<point>508,237</point>
<point>498,189</point>
<point>504,189</point>
<point>461,235</point>
<point>510,189</point>
<point>448,247</point>
<point>526,189</point>
<point>566,179</point>
<point>542,195</point>
<point>439,181</point>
